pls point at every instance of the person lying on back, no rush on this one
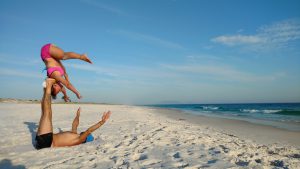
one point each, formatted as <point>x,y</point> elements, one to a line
<point>45,137</point>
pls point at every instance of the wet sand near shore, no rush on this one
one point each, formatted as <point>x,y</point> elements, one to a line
<point>262,134</point>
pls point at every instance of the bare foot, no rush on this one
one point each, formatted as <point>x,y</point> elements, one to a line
<point>85,58</point>
<point>50,82</point>
<point>105,116</point>
<point>78,112</point>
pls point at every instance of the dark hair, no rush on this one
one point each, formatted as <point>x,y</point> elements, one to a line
<point>85,138</point>
<point>52,94</point>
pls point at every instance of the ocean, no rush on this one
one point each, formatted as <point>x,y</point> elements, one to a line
<point>280,115</point>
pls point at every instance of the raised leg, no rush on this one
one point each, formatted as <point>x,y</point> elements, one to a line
<point>56,52</point>
<point>45,124</point>
<point>76,122</point>
<point>73,55</point>
<point>59,54</point>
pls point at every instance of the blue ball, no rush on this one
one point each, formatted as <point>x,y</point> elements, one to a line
<point>89,138</point>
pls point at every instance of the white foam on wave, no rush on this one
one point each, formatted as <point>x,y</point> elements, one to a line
<point>210,108</point>
<point>271,111</point>
<point>250,110</point>
<point>259,111</point>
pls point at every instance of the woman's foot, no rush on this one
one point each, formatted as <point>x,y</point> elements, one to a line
<point>78,112</point>
<point>85,58</point>
<point>49,84</point>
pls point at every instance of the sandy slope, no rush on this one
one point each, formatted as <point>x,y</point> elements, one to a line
<point>134,137</point>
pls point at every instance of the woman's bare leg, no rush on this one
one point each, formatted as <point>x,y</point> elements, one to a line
<point>76,121</point>
<point>59,54</point>
<point>56,52</point>
<point>45,125</point>
<point>73,55</point>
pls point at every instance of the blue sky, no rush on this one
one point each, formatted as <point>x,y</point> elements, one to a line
<point>152,51</point>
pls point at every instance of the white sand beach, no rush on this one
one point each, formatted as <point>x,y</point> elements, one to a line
<point>141,137</point>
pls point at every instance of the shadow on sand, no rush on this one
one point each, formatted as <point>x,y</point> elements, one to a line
<point>32,127</point>
<point>6,163</point>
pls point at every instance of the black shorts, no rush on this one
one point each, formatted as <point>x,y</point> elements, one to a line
<point>43,141</point>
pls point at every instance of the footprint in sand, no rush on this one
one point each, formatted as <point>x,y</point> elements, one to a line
<point>126,154</point>
<point>140,150</point>
<point>181,165</point>
<point>132,140</point>
<point>176,155</point>
<point>242,163</point>
<point>202,156</point>
<point>114,158</point>
<point>194,167</point>
<point>225,149</point>
<point>190,152</point>
<point>151,162</point>
<point>138,156</point>
<point>212,161</point>
<point>118,145</point>
<point>214,151</point>
<point>121,162</point>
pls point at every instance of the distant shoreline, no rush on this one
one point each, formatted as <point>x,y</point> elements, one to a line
<point>36,101</point>
<point>15,100</point>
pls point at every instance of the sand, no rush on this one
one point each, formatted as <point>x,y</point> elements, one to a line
<point>141,137</point>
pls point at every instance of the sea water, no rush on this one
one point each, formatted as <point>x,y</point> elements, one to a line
<point>280,115</point>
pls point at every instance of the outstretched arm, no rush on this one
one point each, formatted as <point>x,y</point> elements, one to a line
<point>65,97</point>
<point>71,138</point>
<point>63,67</point>
<point>63,90</point>
<point>94,127</point>
<point>56,75</point>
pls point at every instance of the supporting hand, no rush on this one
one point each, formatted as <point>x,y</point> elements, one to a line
<point>66,98</point>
